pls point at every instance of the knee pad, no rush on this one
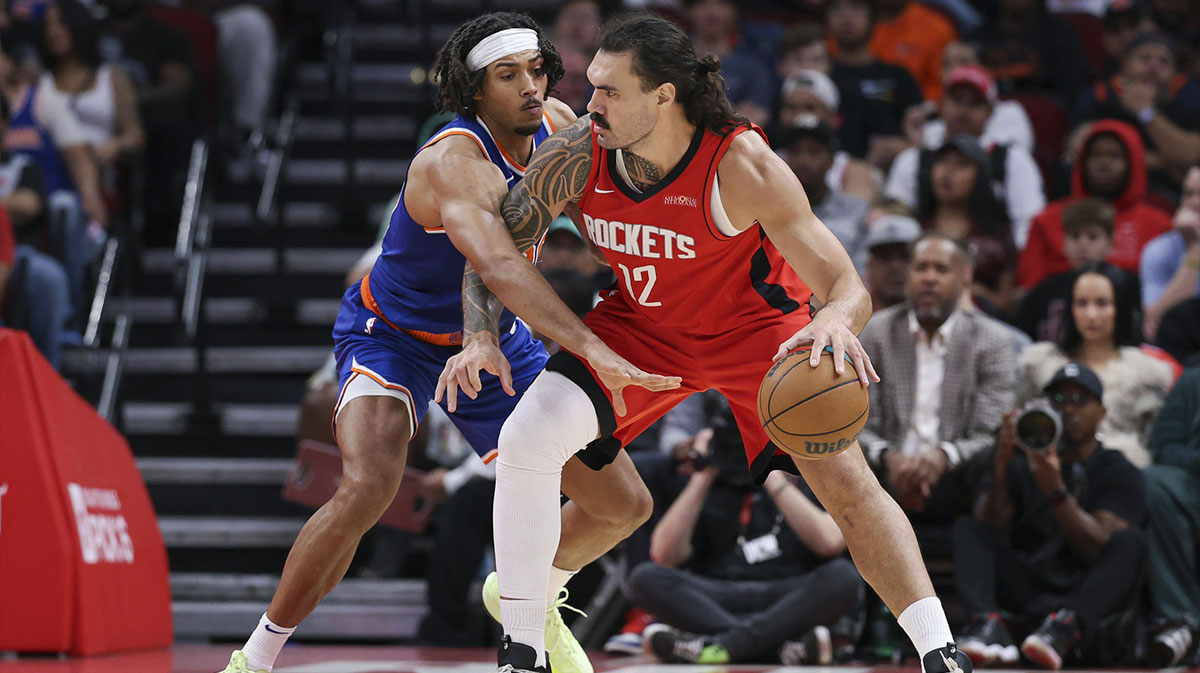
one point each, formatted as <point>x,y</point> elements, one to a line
<point>554,419</point>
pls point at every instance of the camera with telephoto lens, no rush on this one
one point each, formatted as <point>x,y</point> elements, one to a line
<point>1038,427</point>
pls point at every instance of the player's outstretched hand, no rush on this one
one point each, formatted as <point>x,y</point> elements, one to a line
<point>615,372</point>
<point>462,371</point>
<point>829,330</point>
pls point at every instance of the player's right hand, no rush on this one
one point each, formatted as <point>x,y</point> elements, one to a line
<point>615,372</point>
<point>462,371</point>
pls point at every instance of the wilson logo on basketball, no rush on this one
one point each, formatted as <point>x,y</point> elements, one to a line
<point>689,201</point>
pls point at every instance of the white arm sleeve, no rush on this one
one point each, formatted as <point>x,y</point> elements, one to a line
<point>1023,191</point>
<point>902,178</point>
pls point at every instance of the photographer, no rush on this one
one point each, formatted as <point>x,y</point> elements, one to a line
<point>1056,534</point>
<point>741,572</point>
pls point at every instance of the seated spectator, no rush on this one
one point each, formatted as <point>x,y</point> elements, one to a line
<point>1151,95</point>
<point>955,199</point>
<point>159,60</point>
<point>100,95</point>
<point>912,35</point>
<point>809,148</point>
<point>1028,49</point>
<point>33,293</point>
<point>965,109</point>
<point>247,50</point>
<point>1173,497</point>
<point>1122,21</point>
<point>1100,331</point>
<point>810,92</point>
<point>803,47</point>
<point>743,587</point>
<point>1179,332</point>
<point>876,96</point>
<point>1181,20</point>
<point>948,380</point>
<point>1055,539</point>
<point>1170,265</point>
<point>888,244</point>
<point>577,26</point>
<point>1007,124</point>
<point>1087,239</point>
<point>714,30</point>
<point>1110,165</point>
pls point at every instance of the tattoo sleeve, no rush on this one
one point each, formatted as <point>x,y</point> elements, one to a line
<point>556,175</point>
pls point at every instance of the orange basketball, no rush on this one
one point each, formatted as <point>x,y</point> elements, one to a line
<point>809,412</point>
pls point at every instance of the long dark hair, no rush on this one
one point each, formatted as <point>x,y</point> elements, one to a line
<point>988,214</point>
<point>662,53</point>
<point>458,85</point>
<point>1126,319</point>
<point>85,36</point>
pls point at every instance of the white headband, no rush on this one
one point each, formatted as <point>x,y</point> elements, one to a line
<point>503,43</point>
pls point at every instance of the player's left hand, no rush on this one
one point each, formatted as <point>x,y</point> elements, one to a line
<point>462,371</point>
<point>827,329</point>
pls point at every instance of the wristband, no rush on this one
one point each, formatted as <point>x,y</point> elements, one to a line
<point>1147,114</point>
<point>1058,497</point>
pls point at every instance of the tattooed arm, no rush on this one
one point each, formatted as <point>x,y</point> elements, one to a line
<point>556,176</point>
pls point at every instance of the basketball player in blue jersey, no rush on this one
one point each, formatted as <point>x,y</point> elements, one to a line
<point>398,327</point>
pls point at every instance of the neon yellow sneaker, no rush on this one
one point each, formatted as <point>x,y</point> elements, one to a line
<point>565,653</point>
<point>237,664</point>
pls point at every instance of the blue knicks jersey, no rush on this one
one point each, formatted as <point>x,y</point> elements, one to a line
<point>416,284</point>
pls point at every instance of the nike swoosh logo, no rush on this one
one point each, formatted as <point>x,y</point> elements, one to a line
<point>268,627</point>
<point>604,191</point>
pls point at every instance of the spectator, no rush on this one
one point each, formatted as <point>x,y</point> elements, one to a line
<point>809,148</point>
<point>1028,49</point>
<point>876,96</point>
<point>803,47</point>
<point>912,35</point>
<point>888,244</point>
<point>33,293</point>
<point>574,89</point>
<point>1179,331</point>
<point>1008,124</point>
<point>965,109</point>
<point>739,570</point>
<point>955,199</point>
<point>1180,20</point>
<point>812,92</point>
<point>715,31</point>
<point>100,95</point>
<point>159,60</point>
<point>577,26</point>
<point>949,378</point>
<point>1151,95</point>
<point>247,50</point>
<point>1121,23</point>
<point>1111,165</point>
<point>1100,332</point>
<point>1087,226</point>
<point>1173,496</point>
<point>1055,538</point>
<point>1170,265</point>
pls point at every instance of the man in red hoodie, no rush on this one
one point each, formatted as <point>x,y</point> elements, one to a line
<point>1111,166</point>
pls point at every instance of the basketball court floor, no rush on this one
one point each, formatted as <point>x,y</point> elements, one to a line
<point>377,659</point>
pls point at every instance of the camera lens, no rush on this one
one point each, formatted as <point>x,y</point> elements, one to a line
<point>1036,429</point>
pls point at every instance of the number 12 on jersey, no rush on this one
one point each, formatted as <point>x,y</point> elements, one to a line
<point>636,276</point>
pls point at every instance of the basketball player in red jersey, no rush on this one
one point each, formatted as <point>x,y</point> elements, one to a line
<point>709,235</point>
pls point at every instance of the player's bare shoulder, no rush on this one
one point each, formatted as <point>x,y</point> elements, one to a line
<point>755,182</point>
<point>455,168</point>
<point>560,113</point>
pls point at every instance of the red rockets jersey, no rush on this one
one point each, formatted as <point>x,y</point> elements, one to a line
<point>675,259</point>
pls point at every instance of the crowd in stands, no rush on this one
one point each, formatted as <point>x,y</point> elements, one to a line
<point>100,101</point>
<point>1018,183</point>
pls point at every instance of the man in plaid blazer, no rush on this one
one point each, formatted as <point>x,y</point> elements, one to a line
<point>948,376</point>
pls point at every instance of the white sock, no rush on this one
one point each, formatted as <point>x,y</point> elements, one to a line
<point>263,647</point>
<point>558,580</point>
<point>925,623</point>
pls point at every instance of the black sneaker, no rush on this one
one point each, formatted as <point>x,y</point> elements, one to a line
<point>672,646</point>
<point>1170,646</point>
<point>513,657</point>
<point>986,641</point>
<point>814,649</point>
<point>948,659</point>
<point>1053,640</point>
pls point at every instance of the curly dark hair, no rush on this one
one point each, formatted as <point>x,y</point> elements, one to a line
<point>663,53</point>
<point>458,85</point>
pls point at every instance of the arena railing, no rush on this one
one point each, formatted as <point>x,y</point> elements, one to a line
<point>191,259</point>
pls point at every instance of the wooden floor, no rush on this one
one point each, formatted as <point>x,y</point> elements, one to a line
<point>373,659</point>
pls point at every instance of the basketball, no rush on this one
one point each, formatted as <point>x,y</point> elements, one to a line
<point>812,413</point>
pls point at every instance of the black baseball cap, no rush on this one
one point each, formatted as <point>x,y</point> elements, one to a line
<point>1078,374</point>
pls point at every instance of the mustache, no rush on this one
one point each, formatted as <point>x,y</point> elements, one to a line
<point>600,121</point>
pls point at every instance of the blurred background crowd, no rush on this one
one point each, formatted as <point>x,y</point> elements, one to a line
<point>1017,181</point>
